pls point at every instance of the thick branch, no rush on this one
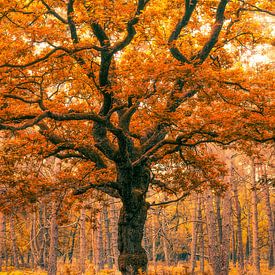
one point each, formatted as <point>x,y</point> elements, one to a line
<point>216,29</point>
<point>70,10</point>
<point>110,188</point>
<point>53,12</point>
<point>130,28</point>
<point>189,8</point>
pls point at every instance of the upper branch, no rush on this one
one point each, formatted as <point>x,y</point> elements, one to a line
<point>54,13</point>
<point>70,10</point>
<point>189,8</point>
<point>216,29</point>
<point>130,28</point>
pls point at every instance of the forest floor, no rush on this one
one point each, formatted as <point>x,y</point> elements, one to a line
<point>160,269</point>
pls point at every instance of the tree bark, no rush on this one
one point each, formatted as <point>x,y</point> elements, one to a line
<point>201,234</point>
<point>52,266</point>
<point>154,233</point>
<point>2,239</point>
<point>218,247</point>
<point>114,233</point>
<point>226,233</point>
<point>82,241</point>
<point>133,214</point>
<point>132,258</point>
<point>213,243</point>
<point>13,240</point>
<point>240,254</point>
<point>271,228</point>
<point>255,229</point>
<point>194,237</point>
<point>108,237</point>
<point>99,245</point>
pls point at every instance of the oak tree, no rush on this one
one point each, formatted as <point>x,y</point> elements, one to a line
<point>125,89</point>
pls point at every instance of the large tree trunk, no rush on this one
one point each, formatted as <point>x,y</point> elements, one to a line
<point>133,214</point>
<point>132,256</point>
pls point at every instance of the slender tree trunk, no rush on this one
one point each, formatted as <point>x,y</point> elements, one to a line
<point>255,230</point>
<point>95,250</point>
<point>271,228</point>
<point>99,245</point>
<point>72,235</point>
<point>108,237</point>
<point>46,236</point>
<point>226,233</point>
<point>239,222</point>
<point>194,237</point>
<point>201,235</point>
<point>218,225</point>
<point>13,240</point>
<point>219,217</point>
<point>234,252</point>
<point>82,241</point>
<point>164,239</point>
<point>213,243</point>
<point>52,266</point>
<point>113,230</point>
<point>2,239</point>
<point>248,245</point>
<point>33,240</point>
<point>154,233</point>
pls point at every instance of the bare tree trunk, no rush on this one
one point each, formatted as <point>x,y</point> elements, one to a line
<point>239,222</point>
<point>33,240</point>
<point>154,233</point>
<point>72,235</point>
<point>99,246</point>
<point>226,233</point>
<point>2,239</point>
<point>248,245</point>
<point>213,243</point>
<point>13,240</point>
<point>52,266</point>
<point>271,228</point>
<point>164,238</point>
<point>218,226</point>
<point>46,236</point>
<point>255,230</point>
<point>234,250</point>
<point>194,237</point>
<point>113,230</point>
<point>95,251</point>
<point>108,237</point>
<point>201,235</point>
<point>82,241</point>
<point>219,217</point>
